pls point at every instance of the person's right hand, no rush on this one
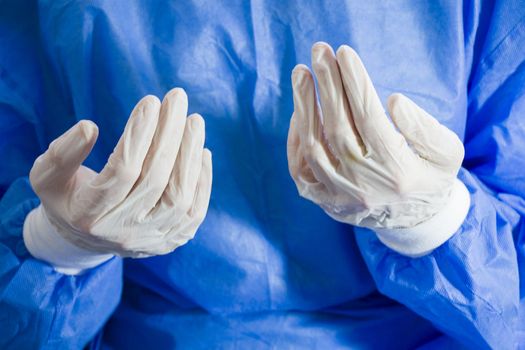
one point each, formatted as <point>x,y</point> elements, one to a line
<point>149,199</point>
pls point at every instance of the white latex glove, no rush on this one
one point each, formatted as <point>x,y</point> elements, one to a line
<point>149,199</point>
<point>348,157</point>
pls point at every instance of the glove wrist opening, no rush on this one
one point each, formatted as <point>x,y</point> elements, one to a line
<point>45,243</point>
<point>426,236</point>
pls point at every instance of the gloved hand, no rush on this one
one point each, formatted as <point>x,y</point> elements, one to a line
<point>347,157</point>
<point>149,199</point>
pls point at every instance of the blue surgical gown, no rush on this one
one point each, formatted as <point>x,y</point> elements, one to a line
<point>267,269</point>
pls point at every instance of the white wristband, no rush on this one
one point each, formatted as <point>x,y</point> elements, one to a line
<point>44,243</point>
<point>423,238</point>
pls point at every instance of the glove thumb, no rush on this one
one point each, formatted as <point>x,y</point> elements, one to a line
<point>430,139</point>
<point>64,156</point>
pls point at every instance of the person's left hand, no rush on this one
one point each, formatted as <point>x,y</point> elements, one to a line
<point>346,156</point>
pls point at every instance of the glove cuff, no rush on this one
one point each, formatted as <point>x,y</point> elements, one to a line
<point>45,243</point>
<point>423,238</point>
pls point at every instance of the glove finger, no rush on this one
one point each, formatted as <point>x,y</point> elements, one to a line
<point>307,184</point>
<point>377,132</point>
<point>430,139</point>
<point>185,174</point>
<point>53,169</point>
<point>307,109</point>
<point>123,168</point>
<point>292,149</point>
<point>162,154</point>
<point>315,150</point>
<point>185,230</point>
<point>203,190</point>
<point>299,169</point>
<point>339,127</point>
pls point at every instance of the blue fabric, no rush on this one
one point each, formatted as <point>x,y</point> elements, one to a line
<point>267,268</point>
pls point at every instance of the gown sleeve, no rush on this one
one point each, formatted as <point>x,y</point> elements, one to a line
<point>473,287</point>
<point>39,307</point>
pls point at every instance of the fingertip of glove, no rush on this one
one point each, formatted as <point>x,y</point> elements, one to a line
<point>149,106</point>
<point>150,100</point>
<point>300,76</point>
<point>299,72</point>
<point>206,153</point>
<point>88,130</point>
<point>176,93</point>
<point>196,122</point>
<point>196,118</point>
<point>321,46</point>
<point>300,68</point>
<point>320,51</point>
<point>393,100</point>
<point>347,53</point>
